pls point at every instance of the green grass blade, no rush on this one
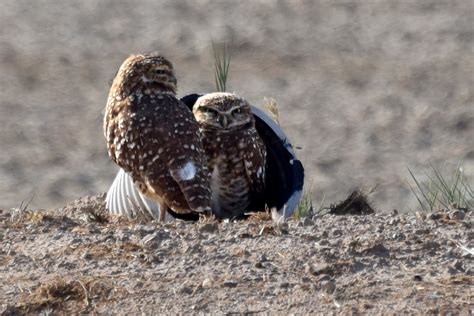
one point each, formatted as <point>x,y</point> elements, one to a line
<point>221,66</point>
<point>439,189</point>
<point>420,188</point>
<point>419,200</point>
<point>445,187</point>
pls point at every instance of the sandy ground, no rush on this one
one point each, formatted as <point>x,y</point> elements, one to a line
<point>76,259</point>
<point>366,88</point>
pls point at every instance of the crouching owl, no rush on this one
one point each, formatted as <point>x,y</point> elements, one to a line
<point>236,153</point>
<point>154,137</point>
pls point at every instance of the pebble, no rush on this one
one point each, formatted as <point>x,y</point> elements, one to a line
<point>258,265</point>
<point>209,228</point>
<point>151,241</point>
<point>328,286</point>
<point>457,215</point>
<point>230,283</point>
<point>317,269</point>
<point>207,283</point>
<point>307,222</point>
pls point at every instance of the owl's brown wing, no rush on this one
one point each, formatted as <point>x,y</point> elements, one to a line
<point>156,140</point>
<point>174,140</point>
<point>255,165</point>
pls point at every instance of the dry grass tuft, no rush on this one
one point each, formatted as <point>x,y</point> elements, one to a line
<point>17,219</point>
<point>305,206</point>
<point>356,204</point>
<point>259,216</point>
<point>441,191</point>
<point>94,215</point>
<point>57,293</point>
<point>272,107</point>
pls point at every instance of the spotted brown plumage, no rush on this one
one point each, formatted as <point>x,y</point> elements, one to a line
<point>236,153</point>
<point>154,137</point>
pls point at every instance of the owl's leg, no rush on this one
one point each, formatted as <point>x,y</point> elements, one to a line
<point>163,211</point>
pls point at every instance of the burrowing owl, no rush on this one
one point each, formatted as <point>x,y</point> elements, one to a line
<point>154,137</point>
<point>235,151</point>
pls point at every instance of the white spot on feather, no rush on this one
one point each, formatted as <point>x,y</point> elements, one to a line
<point>188,171</point>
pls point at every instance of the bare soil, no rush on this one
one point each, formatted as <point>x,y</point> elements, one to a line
<point>79,259</point>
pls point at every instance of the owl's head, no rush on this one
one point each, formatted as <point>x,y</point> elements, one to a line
<point>151,71</point>
<point>222,111</point>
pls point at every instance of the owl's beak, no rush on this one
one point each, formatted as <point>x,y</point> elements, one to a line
<point>224,121</point>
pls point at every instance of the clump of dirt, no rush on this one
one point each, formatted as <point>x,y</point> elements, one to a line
<point>66,261</point>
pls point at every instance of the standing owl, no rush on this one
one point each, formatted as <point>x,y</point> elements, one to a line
<point>154,137</point>
<point>236,153</point>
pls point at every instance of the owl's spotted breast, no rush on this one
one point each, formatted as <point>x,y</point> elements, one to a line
<point>236,153</point>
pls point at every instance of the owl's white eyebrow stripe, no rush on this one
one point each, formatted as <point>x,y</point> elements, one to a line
<point>226,112</point>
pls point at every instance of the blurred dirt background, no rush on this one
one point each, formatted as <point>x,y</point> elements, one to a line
<point>366,88</point>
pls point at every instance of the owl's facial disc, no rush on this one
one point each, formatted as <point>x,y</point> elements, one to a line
<point>228,119</point>
<point>161,75</point>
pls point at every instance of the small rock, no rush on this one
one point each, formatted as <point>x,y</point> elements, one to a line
<point>186,290</point>
<point>67,265</point>
<point>208,228</point>
<point>423,231</point>
<point>151,241</point>
<point>317,269</point>
<point>121,236</point>
<point>230,283</point>
<point>305,280</point>
<point>399,236</point>
<point>324,277</point>
<point>207,283</point>
<point>181,224</point>
<point>378,250</point>
<point>435,216</point>
<point>457,215</point>
<point>144,230</point>
<point>307,222</point>
<point>417,278</point>
<point>458,265</point>
<point>328,286</point>
<point>87,256</point>
<point>431,245</point>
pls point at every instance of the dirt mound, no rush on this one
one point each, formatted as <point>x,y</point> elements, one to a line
<point>67,260</point>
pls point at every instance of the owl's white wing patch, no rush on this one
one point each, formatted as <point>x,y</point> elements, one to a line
<point>187,172</point>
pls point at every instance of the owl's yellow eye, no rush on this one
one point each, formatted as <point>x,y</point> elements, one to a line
<point>210,111</point>
<point>237,111</point>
